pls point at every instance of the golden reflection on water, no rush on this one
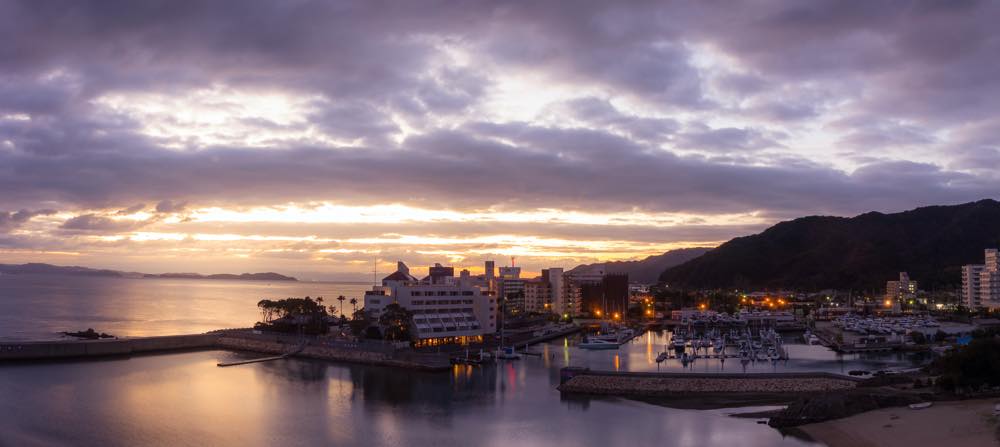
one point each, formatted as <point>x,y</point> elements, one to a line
<point>206,400</point>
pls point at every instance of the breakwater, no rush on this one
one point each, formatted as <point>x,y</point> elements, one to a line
<point>59,349</point>
<point>370,353</point>
<point>379,354</point>
<point>645,385</point>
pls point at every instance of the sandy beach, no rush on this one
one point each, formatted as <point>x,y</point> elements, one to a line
<point>953,424</point>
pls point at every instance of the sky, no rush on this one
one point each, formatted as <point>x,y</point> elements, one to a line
<point>327,139</point>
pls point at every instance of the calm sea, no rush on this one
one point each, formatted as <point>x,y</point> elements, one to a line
<point>183,399</point>
<point>42,306</point>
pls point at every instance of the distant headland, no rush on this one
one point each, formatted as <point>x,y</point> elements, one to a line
<point>49,269</point>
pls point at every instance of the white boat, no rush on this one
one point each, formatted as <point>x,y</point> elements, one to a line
<point>920,406</point>
<point>719,346</point>
<point>598,344</point>
<point>508,354</point>
<point>678,343</point>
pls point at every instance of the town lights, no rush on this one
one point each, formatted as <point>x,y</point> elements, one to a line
<point>597,312</point>
<point>888,303</point>
<point>649,312</point>
<point>617,315</point>
<point>702,306</point>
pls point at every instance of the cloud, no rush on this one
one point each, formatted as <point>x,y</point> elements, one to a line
<point>132,209</point>
<point>10,220</point>
<point>92,223</point>
<point>771,108</point>
<point>169,206</point>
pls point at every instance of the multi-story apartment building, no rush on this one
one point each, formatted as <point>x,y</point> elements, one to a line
<point>897,292</point>
<point>598,293</point>
<point>510,288</point>
<point>971,285</point>
<point>981,282</point>
<point>446,310</point>
<point>537,295</point>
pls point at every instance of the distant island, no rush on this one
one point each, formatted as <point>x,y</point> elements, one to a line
<point>49,269</point>
<point>266,276</point>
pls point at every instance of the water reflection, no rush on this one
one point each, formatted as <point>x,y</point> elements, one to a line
<point>640,355</point>
<point>40,306</point>
<point>184,399</point>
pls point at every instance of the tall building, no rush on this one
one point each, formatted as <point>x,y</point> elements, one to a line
<point>981,282</point>
<point>989,280</point>
<point>537,295</point>
<point>971,285</point>
<point>598,293</point>
<point>557,289</point>
<point>445,310</point>
<point>896,292</point>
<point>510,288</point>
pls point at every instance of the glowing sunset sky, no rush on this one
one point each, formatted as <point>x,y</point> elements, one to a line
<point>311,138</point>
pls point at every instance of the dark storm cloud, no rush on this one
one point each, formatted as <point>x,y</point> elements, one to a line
<point>931,64</point>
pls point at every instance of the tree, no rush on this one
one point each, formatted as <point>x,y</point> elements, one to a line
<point>395,322</point>
<point>292,314</point>
<point>354,302</point>
<point>971,366</point>
<point>341,299</point>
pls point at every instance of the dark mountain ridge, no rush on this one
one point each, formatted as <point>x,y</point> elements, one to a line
<point>861,253</point>
<point>646,271</point>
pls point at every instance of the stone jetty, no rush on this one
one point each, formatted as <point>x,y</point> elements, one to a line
<point>646,385</point>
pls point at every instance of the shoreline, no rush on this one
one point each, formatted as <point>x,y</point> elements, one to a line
<point>965,423</point>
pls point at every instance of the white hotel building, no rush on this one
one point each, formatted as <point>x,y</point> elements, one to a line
<point>446,309</point>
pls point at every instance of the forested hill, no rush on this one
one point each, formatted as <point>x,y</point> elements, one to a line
<point>646,271</point>
<point>863,252</point>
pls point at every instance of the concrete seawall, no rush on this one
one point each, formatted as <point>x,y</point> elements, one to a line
<point>58,349</point>
<point>364,353</point>
<point>342,352</point>
<point>576,380</point>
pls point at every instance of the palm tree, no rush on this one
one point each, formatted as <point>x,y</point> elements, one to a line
<point>354,302</point>
<point>341,299</point>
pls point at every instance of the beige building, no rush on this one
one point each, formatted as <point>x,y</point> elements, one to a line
<point>896,292</point>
